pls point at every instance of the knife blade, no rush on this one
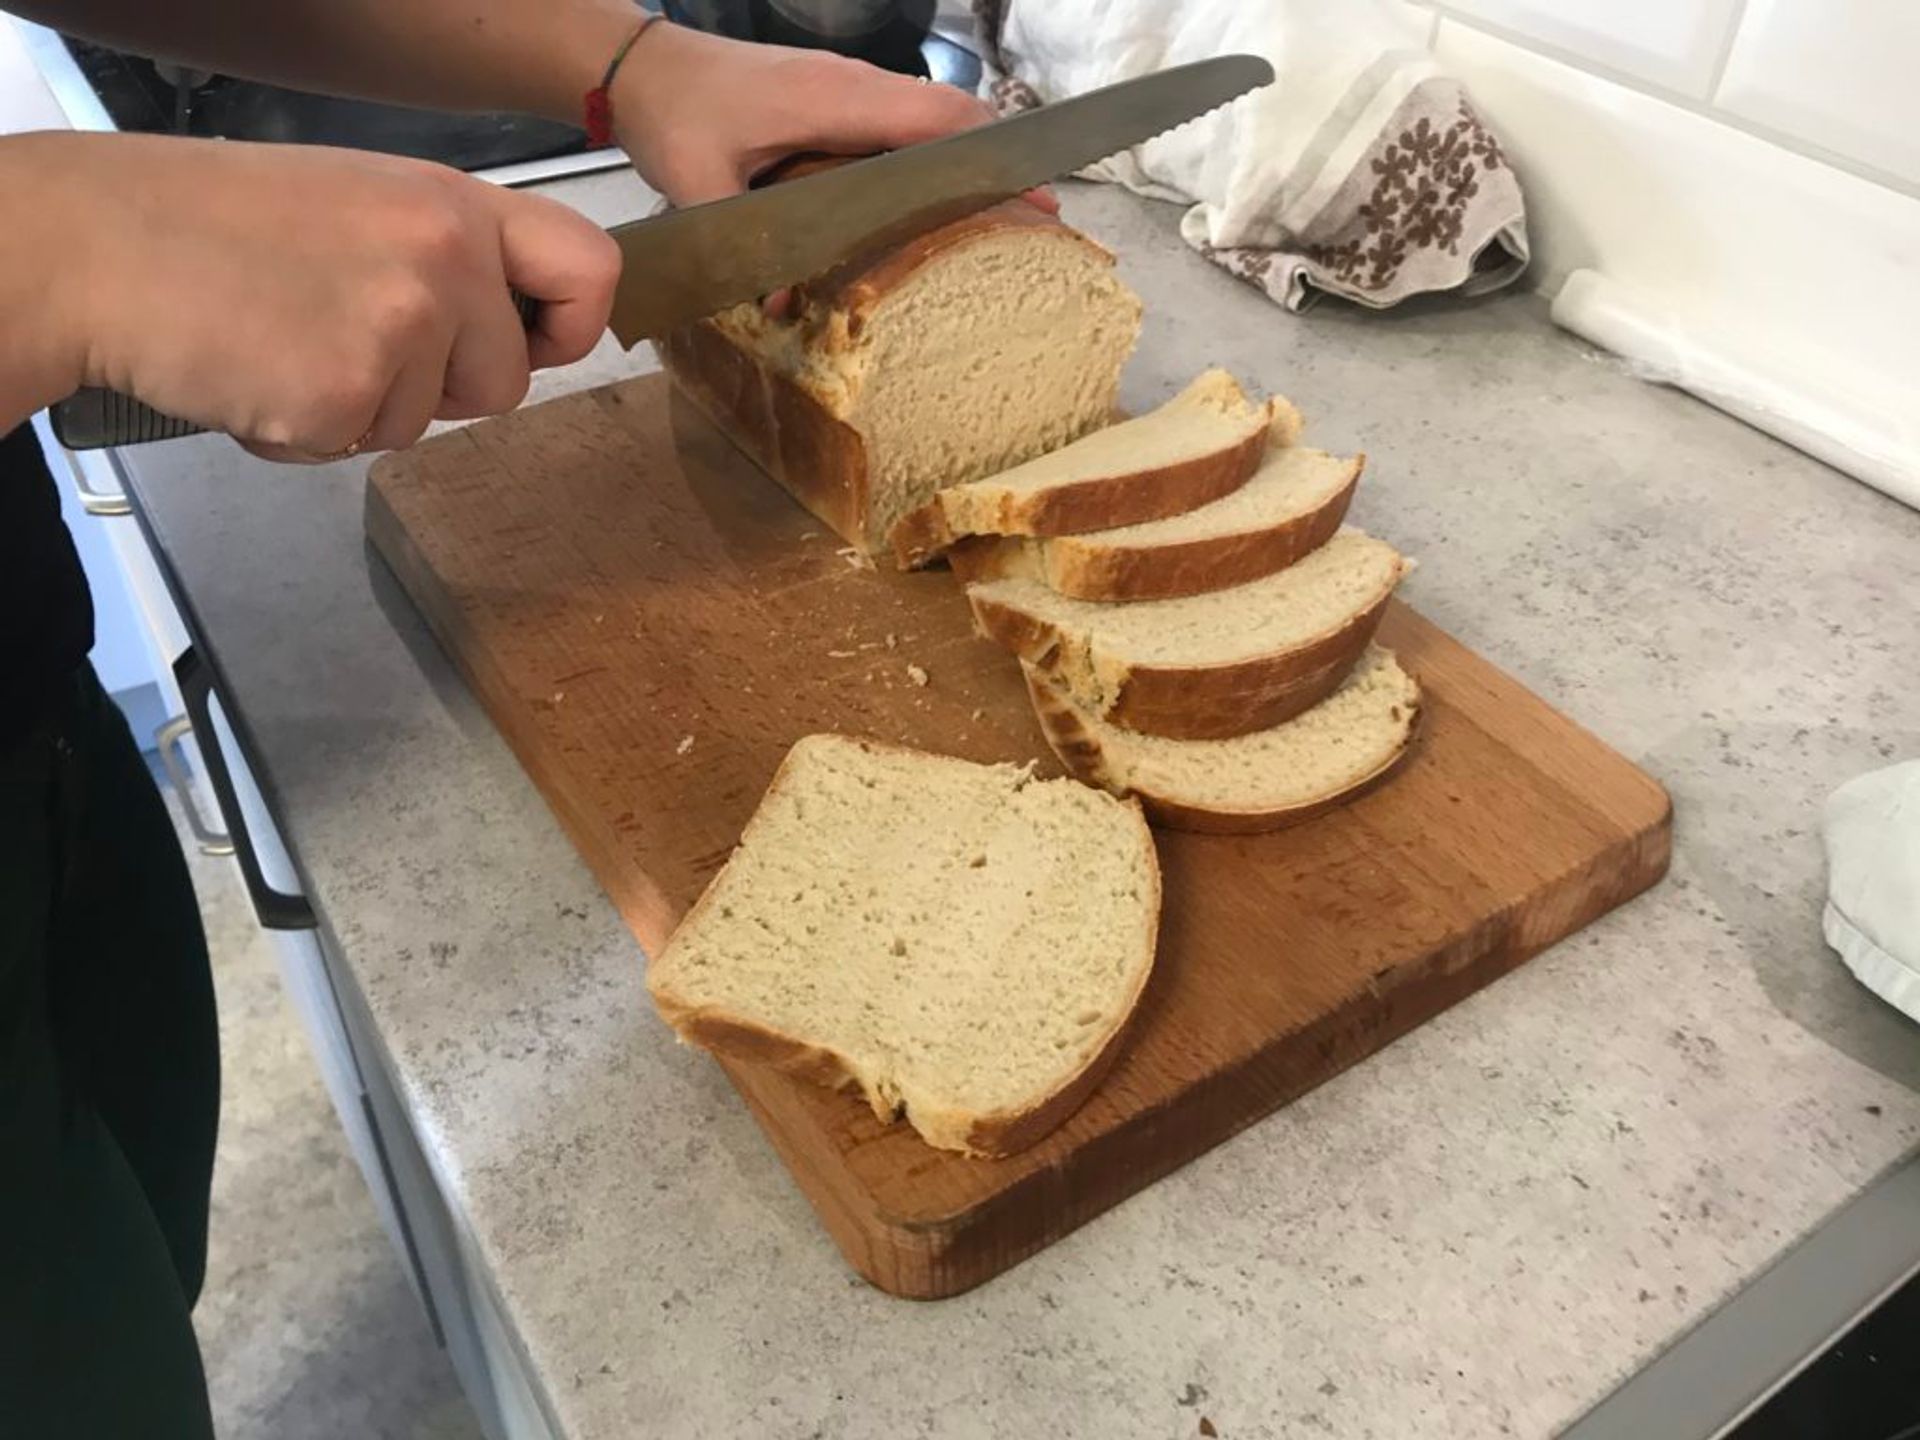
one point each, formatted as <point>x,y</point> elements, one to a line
<point>685,264</point>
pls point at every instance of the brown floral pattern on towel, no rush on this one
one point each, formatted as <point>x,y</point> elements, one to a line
<point>1009,95</point>
<point>1424,179</point>
<point>1434,206</point>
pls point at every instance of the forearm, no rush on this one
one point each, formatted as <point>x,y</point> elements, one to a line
<point>42,245</point>
<point>532,56</point>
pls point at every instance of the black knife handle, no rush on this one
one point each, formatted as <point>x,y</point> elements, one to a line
<point>92,418</point>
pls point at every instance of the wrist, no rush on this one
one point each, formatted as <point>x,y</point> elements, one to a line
<point>666,87</point>
<point>48,264</point>
<point>594,31</point>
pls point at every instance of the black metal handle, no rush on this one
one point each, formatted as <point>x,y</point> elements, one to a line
<point>277,909</point>
<point>92,418</point>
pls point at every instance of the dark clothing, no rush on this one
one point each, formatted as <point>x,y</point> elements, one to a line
<point>109,1066</point>
<point>46,615</point>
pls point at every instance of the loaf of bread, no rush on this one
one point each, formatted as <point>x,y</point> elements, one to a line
<point>963,942</point>
<point>1206,666</point>
<point>1324,757</point>
<point>1290,507</point>
<point>959,354</point>
<point>1200,445</point>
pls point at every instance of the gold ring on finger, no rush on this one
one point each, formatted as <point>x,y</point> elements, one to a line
<point>347,452</point>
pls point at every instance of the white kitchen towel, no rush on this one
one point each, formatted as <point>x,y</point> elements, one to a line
<point>1362,170</point>
<point>1873,882</point>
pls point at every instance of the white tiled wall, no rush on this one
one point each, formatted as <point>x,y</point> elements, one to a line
<point>1675,43</point>
<point>1830,78</point>
<point>1746,171</point>
<point>1840,74</point>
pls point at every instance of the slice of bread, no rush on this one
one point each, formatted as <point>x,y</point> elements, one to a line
<point>1347,743</point>
<point>1290,507</point>
<point>1203,666</point>
<point>1200,445</point>
<point>963,942</point>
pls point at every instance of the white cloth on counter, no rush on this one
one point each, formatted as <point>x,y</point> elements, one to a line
<point>1362,171</point>
<point>1873,882</point>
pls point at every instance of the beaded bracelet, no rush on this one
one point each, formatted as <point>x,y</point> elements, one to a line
<point>599,100</point>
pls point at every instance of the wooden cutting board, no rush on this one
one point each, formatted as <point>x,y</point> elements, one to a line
<point>651,623</point>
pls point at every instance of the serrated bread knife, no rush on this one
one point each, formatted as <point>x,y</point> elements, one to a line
<point>683,264</point>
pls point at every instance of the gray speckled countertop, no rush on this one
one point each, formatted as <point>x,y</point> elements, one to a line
<point>1479,1231</point>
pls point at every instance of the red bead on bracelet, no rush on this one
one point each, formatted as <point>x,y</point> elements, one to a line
<point>599,100</point>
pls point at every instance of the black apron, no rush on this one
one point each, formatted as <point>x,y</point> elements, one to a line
<point>109,1054</point>
<point>46,614</point>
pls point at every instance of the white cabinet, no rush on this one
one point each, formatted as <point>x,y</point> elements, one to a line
<point>137,631</point>
<point>427,1232</point>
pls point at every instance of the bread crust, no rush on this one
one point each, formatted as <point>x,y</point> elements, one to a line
<point>992,1135</point>
<point>1087,568</point>
<point>857,285</point>
<point>1080,749</point>
<point>1198,702</point>
<point>746,1040</point>
<point>783,428</point>
<point>1102,504</point>
<point>786,428</point>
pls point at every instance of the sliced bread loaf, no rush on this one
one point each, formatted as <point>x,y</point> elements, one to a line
<point>1289,507</point>
<point>965,350</point>
<point>1200,445</point>
<point>1203,666</point>
<point>963,942</point>
<point>1324,757</point>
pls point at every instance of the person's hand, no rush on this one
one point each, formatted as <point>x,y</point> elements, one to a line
<point>310,301</point>
<point>701,115</point>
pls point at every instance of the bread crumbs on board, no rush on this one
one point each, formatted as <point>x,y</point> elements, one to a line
<point>685,745</point>
<point>917,675</point>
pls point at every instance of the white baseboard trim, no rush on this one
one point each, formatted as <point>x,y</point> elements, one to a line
<point>1869,444</point>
